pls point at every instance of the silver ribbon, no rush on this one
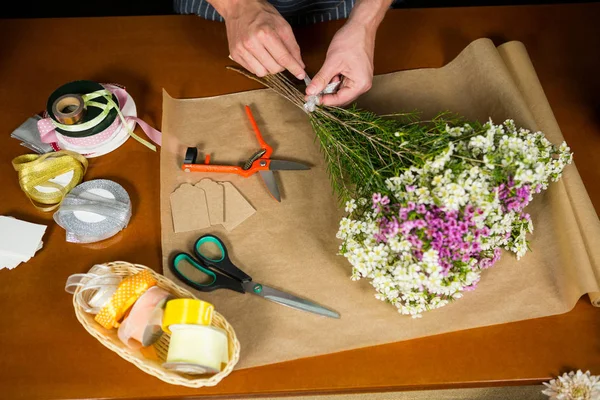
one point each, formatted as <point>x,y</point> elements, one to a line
<point>313,100</point>
<point>116,212</point>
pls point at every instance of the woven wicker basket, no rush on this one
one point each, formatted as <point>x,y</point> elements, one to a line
<point>154,366</point>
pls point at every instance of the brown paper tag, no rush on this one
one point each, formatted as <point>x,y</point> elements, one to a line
<point>215,194</point>
<point>189,209</point>
<point>237,208</point>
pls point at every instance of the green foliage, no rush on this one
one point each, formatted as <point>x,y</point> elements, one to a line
<point>363,149</point>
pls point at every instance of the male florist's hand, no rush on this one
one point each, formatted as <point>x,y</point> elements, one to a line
<point>350,55</point>
<point>260,39</point>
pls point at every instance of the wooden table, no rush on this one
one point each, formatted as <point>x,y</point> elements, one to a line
<point>45,353</point>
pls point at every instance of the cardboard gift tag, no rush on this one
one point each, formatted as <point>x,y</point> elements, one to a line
<point>237,208</point>
<point>215,194</point>
<point>189,209</point>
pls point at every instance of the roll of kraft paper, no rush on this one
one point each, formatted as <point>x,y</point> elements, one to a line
<point>187,311</point>
<point>109,119</point>
<point>130,289</point>
<point>95,210</point>
<point>137,329</point>
<point>197,349</point>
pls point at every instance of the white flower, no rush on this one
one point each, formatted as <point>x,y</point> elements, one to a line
<point>350,206</point>
<point>415,278</point>
<point>574,386</point>
<point>455,131</point>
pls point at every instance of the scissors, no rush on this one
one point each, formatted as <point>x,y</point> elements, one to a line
<point>259,162</point>
<point>225,275</point>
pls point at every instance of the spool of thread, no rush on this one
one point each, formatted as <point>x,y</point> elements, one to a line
<point>69,109</point>
<point>130,289</point>
<point>47,178</point>
<point>197,349</point>
<point>187,311</point>
<point>137,329</point>
<point>95,210</point>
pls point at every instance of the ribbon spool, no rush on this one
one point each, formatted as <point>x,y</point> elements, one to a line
<point>138,328</point>
<point>96,288</point>
<point>130,289</point>
<point>47,178</point>
<point>187,311</point>
<point>108,121</point>
<point>197,349</point>
<point>69,109</point>
<point>95,210</point>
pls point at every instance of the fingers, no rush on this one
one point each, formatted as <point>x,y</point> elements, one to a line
<point>340,98</point>
<point>289,41</point>
<point>248,61</point>
<point>265,58</point>
<point>283,57</point>
<point>345,95</point>
<point>268,49</point>
<point>322,78</point>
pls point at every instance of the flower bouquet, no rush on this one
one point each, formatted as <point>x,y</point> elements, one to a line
<point>431,204</point>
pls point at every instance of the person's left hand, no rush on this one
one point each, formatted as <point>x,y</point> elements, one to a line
<point>350,55</point>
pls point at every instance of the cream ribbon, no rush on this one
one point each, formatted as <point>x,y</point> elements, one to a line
<point>100,281</point>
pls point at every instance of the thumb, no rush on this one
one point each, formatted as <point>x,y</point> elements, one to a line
<point>322,78</point>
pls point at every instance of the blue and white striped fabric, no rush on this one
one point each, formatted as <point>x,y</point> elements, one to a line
<point>296,12</point>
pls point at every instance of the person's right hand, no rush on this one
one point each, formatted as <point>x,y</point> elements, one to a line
<point>261,40</point>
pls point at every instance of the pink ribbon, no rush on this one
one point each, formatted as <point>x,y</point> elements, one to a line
<point>131,331</point>
<point>48,132</point>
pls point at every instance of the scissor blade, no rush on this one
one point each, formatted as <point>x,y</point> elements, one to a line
<point>288,300</point>
<point>269,178</point>
<point>282,165</point>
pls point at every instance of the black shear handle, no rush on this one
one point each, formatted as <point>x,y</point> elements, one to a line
<point>219,281</point>
<point>222,263</point>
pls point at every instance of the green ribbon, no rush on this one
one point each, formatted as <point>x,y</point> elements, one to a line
<point>106,108</point>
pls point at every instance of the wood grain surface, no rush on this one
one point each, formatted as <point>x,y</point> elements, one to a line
<point>47,354</point>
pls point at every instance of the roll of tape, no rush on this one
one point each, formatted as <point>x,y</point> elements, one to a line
<point>187,311</point>
<point>98,116</point>
<point>69,109</point>
<point>95,210</point>
<point>197,349</point>
<point>130,289</point>
<point>132,330</point>
<point>98,132</point>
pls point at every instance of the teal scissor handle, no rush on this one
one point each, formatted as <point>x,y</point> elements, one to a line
<point>222,262</point>
<point>219,281</point>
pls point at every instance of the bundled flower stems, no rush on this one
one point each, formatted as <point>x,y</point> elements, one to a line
<point>430,203</point>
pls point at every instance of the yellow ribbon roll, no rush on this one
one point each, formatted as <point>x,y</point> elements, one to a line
<point>37,170</point>
<point>187,311</point>
<point>130,289</point>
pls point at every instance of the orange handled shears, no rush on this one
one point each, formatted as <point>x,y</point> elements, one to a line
<point>259,162</point>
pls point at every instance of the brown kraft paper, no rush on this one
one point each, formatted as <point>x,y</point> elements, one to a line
<point>292,246</point>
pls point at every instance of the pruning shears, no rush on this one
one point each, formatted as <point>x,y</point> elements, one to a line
<point>260,162</point>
